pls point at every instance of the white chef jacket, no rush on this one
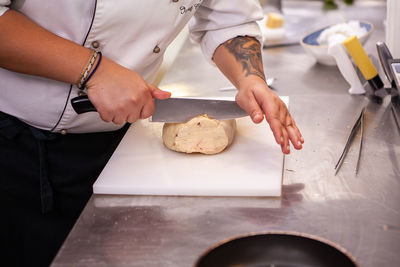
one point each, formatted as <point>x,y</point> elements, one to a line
<point>132,33</point>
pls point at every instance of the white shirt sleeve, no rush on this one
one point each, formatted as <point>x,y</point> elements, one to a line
<point>3,6</point>
<point>217,21</point>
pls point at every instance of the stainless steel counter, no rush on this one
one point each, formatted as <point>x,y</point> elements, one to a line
<point>359,212</point>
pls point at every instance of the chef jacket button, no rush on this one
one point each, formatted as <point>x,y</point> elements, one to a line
<point>156,49</point>
<point>63,132</point>
<point>95,44</point>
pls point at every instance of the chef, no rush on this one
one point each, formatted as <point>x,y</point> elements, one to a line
<point>53,51</point>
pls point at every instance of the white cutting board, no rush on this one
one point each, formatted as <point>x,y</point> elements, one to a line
<point>142,165</point>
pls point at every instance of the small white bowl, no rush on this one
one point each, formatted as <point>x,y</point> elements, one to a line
<point>320,52</point>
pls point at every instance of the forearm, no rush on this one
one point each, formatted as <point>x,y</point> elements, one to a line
<point>26,47</point>
<point>240,60</point>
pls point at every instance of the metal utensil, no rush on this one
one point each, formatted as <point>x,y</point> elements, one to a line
<point>270,81</point>
<point>82,104</point>
<point>389,67</point>
<point>361,140</point>
<point>281,44</point>
<point>183,109</point>
<point>358,124</point>
<point>384,57</point>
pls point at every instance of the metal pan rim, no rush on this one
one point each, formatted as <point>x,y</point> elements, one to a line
<point>281,232</point>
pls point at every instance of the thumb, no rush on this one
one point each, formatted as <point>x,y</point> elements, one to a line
<point>158,93</point>
<point>250,105</point>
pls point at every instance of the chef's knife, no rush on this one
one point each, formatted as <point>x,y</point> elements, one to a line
<point>366,66</point>
<point>178,109</point>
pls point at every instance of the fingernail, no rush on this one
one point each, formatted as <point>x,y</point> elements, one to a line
<point>281,139</point>
<point>299,143</point>
<point>288,148</point>
<point>257,116</point>
<point>301,138</point>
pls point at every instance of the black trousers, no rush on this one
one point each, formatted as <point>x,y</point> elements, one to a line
<point>45,181</point>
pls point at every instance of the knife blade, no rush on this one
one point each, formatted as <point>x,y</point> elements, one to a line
<point>385,56</point>
<point>182,109</point>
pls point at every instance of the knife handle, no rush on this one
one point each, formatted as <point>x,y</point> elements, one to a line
<point>82,104</point>
<point>363,62</point>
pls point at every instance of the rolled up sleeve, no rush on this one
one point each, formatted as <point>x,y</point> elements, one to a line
<point>3,6</point>
<point>217,21</point>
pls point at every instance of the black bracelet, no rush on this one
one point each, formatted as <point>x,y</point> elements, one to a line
<point>100,55</point>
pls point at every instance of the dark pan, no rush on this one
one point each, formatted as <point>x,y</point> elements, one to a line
<point>277,249</point>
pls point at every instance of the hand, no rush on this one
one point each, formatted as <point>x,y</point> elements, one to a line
<point>121,95</point>
<point>259,101</point>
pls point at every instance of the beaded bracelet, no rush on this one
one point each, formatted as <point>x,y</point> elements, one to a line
<point>94,70</point>
<point>87,69</point>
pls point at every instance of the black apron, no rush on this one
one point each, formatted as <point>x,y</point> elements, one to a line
<point>45,181</point>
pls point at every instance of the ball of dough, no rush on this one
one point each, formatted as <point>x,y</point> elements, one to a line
<point>200,134</point>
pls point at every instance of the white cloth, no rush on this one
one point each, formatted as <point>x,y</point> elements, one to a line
<point>127,32</point>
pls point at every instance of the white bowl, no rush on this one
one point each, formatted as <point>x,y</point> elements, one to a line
<point>320,52</point>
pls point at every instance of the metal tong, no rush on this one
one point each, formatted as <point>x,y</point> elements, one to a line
<point>358,124</point>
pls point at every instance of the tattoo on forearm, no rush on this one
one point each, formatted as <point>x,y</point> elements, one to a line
<point>247,51</point>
